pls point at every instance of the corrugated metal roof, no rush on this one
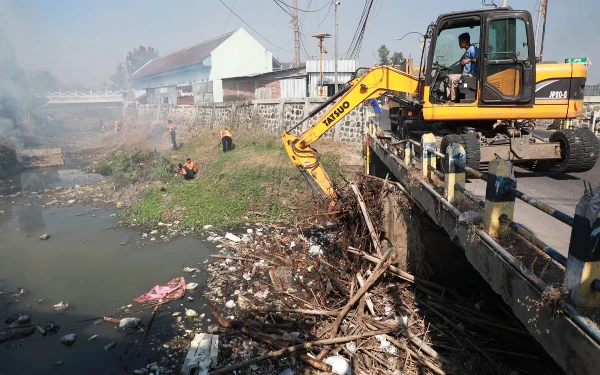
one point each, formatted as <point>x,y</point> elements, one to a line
<point>187,56</point>
<point>293,88</point>
<point>312,66</point>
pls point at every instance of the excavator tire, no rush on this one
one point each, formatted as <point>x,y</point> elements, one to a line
<point>572,150</point>
<point>591,149</point>
<point>471,145</point>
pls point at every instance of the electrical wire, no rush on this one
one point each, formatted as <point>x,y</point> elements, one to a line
<point>228,18</point>
<point>302,10</point>
<point>354,49</point>
<point>252,28</point>
<point>323,20</point>
<point>282,8</point>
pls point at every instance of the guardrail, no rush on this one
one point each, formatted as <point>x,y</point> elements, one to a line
<point>582,275</point>
<point>591,90</point>
<point>563,327</point>
<point>582,266</point>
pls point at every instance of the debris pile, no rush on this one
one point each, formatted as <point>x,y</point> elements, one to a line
<point>329,298</point>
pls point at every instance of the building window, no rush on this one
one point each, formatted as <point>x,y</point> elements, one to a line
<point>263,94</point>
<point>165,100</point>
<point>162,90</point>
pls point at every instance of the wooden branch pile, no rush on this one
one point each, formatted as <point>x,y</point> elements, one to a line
<point>295,298</point>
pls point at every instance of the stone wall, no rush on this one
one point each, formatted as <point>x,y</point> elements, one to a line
<point>591,104</point>
<point>272,116</point>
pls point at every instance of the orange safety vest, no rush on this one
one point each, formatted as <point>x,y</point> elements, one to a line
<point>225,133</point>
<point>172,128</point>
<point>116,124</point>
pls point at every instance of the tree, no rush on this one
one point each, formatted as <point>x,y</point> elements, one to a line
<point>135,59</point>
<point>397,58</point>
<point>384,54</point>
<point>42,82</point>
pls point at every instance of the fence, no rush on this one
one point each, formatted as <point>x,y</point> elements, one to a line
<point>582,274</point>
<point>591,90</point>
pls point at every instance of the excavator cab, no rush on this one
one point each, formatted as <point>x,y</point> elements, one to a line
<point>506,60</point>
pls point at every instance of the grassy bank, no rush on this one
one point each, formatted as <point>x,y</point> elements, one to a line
<point>256,180</point>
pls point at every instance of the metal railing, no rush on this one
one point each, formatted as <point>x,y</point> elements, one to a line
<point>591,90</point>
<point>498,217</point>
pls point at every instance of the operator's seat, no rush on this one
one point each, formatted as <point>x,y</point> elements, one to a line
<point>467,89</point>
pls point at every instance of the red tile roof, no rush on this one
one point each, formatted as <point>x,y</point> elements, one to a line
<point>184,57</point>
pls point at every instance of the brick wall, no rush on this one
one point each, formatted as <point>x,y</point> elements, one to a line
<point>236,89</point>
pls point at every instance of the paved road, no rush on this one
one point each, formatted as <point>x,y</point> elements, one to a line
<point>561,191</point>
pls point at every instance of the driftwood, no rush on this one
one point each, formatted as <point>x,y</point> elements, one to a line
<point>385,262</point>
<point>17,334</point>
<point>298,311</point>
<point>147,330</point>
<point>296,348</point>
<point>365,212</point>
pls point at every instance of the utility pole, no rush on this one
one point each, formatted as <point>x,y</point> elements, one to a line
<point>336,3</point>
<point>504,3</point>
<point>544,29</point>
<point>537,26</point>
<point>296,34</point>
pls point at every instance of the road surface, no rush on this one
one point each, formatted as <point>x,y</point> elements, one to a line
<point>561,191</point>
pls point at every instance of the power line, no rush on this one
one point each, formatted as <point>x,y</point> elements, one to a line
<point>252,28</point>
<point>228,18</point>
<point>302,10</point>
<point>354,50</point>
<point>282,8</point>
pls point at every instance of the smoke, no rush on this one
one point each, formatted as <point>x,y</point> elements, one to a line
<point>13,93</point>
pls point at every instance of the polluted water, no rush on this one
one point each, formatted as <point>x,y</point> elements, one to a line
<point>87,268</point>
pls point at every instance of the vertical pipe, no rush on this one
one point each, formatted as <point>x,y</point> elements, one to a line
<point>544,29</point>
<point>296,34</point>
<point>537,27</point>
<point>336,3</point>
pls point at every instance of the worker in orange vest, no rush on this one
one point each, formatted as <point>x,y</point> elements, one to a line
<point>116,127</point>
<point>226,139</point>
<point>187,173</point>
<point>172,129</point>
<point>191,166</point>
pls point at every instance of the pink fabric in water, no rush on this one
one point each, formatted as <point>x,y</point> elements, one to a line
<point>174,289</point>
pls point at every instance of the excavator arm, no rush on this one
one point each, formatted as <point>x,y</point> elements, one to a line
<point>373,84</point>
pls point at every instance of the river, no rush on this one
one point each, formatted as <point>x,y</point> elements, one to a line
<point>89,262</point>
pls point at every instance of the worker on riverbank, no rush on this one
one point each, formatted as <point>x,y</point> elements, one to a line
<point>172,129</point>
<point>191,165</point>
<point>187,173</point>
<point>104,128</point>
<point>226,139</point>
<point>116,127</point>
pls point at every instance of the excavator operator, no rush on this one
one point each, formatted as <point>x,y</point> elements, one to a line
<point>470,67</point>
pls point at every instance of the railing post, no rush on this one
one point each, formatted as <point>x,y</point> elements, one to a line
<point>455,161</point>
<point>498,203</point>
<point>582,277</point>
<point>428,158</point>
<point>407,152</point>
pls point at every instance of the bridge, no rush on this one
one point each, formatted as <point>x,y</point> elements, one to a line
<point>85,99</point>
<point>536,212</point>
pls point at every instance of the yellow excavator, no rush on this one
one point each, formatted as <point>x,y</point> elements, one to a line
<point>492,111</point>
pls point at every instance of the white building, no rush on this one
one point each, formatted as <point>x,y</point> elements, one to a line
<point>196,72</point>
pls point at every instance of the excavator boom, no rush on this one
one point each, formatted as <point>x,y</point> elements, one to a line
<point>373,84</point>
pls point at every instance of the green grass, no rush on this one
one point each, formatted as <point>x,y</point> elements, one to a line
<point>255,180</point>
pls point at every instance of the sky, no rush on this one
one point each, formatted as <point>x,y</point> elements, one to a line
<point>83,41</point>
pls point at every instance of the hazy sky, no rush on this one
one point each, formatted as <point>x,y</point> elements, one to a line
<point>82,41</point>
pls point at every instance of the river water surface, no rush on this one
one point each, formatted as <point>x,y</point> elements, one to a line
<point>89,262</point>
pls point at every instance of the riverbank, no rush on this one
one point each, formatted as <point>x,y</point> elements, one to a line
<point>254,182</point>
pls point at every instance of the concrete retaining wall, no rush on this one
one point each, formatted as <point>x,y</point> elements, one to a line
<point>271,116</point>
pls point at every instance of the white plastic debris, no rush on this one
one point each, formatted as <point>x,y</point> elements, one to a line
<point>351,346</point>
<point>232,237</point>
<point>94,337</point>
<point>208,226</point>
<point>154,231</point>
<point>191,286</point>
<point>190,269</point>
<point>203,354</point>
<point>339,365</point>
<point>128,323</point>
<point>190,313</point>
<point>314,250</point>
<point>61,306</point>
<point>249,231</point>
<point>230,304</point>
<point>247,276</point>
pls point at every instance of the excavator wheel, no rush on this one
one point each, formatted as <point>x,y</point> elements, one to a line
<point>471,145</point>
<point>579,152</point>
<point>591,149</point>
